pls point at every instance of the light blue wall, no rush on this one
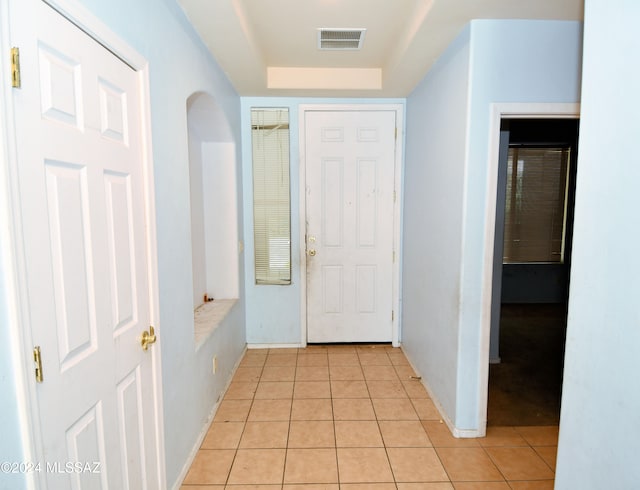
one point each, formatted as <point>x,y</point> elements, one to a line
<point>511,61</point>
<point>179,65</point>
<point>11,446</point>
<point>274,313</point>
<point>447,146</point>
<point>432,231</point>
<point>600,418</point>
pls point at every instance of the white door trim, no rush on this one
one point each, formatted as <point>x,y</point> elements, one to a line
<point>13,259</point>
<point>397,211</point>
<point>498,112</point>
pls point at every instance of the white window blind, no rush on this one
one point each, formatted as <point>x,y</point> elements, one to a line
<point>535,212</point>
<point>271,196</point>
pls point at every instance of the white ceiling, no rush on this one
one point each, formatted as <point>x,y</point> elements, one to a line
<point>269,47</point>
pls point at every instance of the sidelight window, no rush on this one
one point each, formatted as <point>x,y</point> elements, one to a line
<point>271,195</point>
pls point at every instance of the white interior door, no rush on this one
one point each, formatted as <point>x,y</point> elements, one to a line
<point>82,207</point>
<point>350,168</point>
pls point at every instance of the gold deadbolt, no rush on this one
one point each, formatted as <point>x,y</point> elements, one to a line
<point>148,338</point>
<point>312,252</point>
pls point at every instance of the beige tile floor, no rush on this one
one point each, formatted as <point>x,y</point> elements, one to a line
<point>351,417</point>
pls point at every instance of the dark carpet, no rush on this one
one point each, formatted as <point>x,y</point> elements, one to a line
<point>525,388</point>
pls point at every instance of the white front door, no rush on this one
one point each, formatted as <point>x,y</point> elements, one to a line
<point>350,169</point>
<point>82,213</point>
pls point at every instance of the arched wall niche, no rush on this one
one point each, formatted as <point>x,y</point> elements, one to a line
<point>214,214</point>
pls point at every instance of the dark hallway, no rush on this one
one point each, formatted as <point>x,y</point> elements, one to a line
<point>525,388</point>
<point>532,263</point>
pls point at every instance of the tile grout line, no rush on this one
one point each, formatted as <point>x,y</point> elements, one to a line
<point>384,444</point>
<point>246,420</point>
<point>333,420</point>
<point>496,464</point>
<point>286,448</point>
<point>395,483</point>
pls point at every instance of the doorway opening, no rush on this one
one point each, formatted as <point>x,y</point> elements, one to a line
<point>532,261</point>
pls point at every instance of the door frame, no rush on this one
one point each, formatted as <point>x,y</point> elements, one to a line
<point>499,111</point>
<point>397,208</point>
<point>13,258</point>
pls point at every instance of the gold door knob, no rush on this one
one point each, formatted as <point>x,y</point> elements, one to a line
<point>312,252</point>
<point>148,338</point>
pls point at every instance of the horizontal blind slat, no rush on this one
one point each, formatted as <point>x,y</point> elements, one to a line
<point>535,204</point>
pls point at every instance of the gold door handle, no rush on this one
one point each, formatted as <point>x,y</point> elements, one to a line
<point>148,338</point>
<point>312,252</point>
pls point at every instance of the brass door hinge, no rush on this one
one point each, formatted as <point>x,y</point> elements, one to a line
<point>15,67</point>
<point>37,358</point>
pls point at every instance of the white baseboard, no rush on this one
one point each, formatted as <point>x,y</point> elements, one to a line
<point>274,346</point>
<point>456,432</point>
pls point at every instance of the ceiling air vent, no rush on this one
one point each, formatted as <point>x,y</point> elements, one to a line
<point>340,38</point>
